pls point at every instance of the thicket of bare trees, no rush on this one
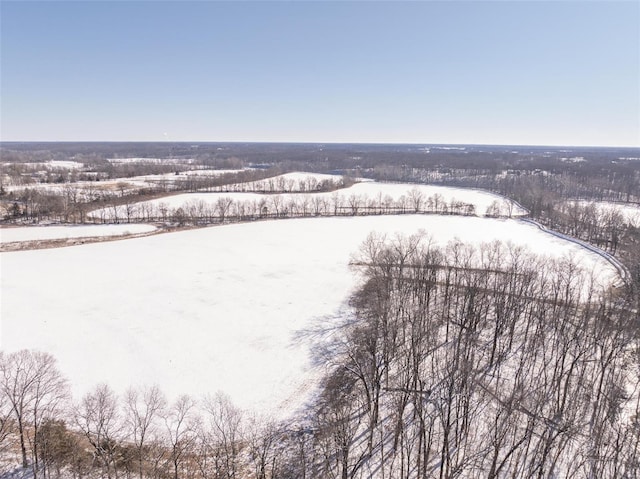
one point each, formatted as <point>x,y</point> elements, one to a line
<point>139,434</point>
<point>463,362</point>
<point>33,393</point>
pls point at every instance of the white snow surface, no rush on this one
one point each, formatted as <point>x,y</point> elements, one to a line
<point>214,309</point>
<point>33,233</point>
<point>479,198</point>
<point>287,181</point>
<point>70,165</point>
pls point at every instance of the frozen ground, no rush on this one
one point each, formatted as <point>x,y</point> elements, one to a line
<point>213,309</point>
<point>35,233</point>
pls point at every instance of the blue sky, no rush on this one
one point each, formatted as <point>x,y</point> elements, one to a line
<point>549,73</point>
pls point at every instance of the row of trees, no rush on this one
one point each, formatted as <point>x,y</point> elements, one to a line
<point>139,434</point>
<point>284,184</point>
<point>225,208</point>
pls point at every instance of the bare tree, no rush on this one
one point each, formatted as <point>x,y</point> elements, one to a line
<point>35,391</point>
<point>180,421</point>
<point>223,204</point>
<point>416,199</point>
<point>143,408</point>
<point>98,419</point>
<point>264,443</point>
<point>5,414</point>
<point>225,426</point>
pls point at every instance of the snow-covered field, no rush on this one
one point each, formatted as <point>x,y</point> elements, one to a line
<point>151,160</point>
<point>36,233</point>
<point>219,308</point>
<point>364,194</point>
<point>289,182</point>
<point>119,185</point>
<point>55,164</point>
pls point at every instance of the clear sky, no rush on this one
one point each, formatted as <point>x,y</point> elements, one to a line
<point>506,72</point>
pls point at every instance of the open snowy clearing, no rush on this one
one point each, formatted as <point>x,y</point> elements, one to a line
<point>364,194</point>
<point>218,308</point>
<point>36,233</point>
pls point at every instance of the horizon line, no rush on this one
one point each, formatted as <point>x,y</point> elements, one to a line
<point>269,142</point>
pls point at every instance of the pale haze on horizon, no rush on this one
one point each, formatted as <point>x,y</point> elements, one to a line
<point>534,73</point>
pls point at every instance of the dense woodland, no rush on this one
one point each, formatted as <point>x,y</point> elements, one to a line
<point>455,362</point>
<point>463,362</point>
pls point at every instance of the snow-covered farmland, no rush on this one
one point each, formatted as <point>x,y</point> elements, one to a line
<point>219,308</point>
<point>40,233</point>
<point>356,199</point>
